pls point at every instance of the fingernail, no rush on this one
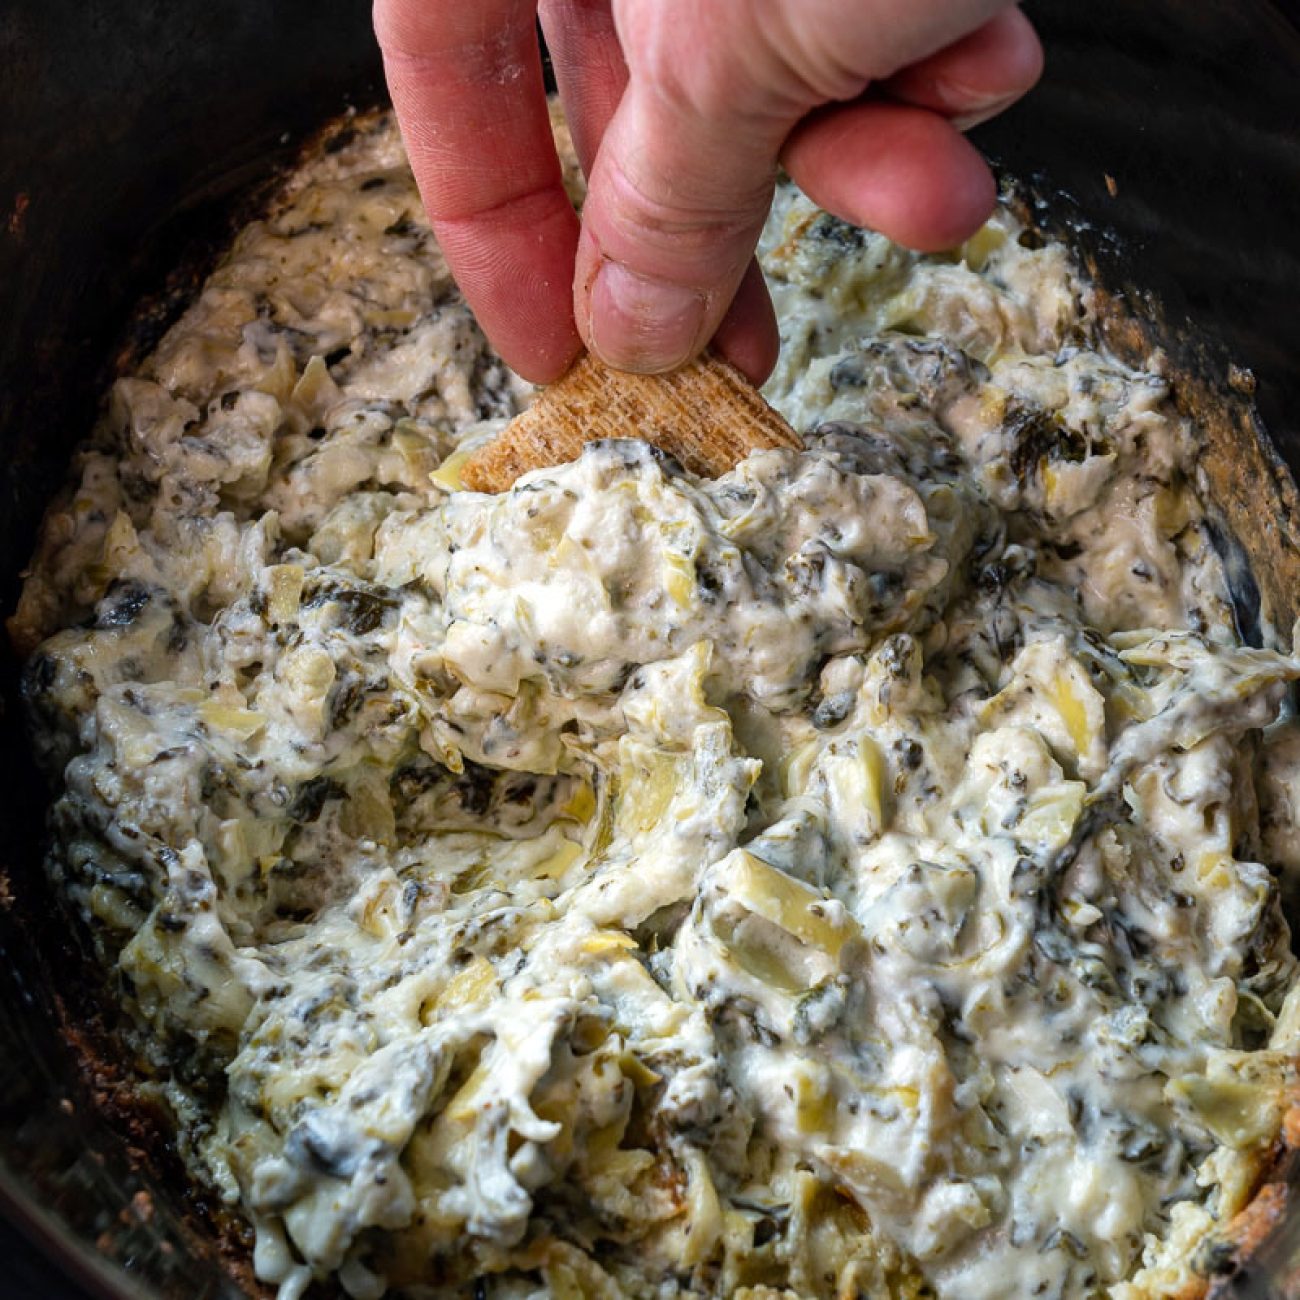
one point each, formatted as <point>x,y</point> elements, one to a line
<point>978,113</point>
<point>643,324</point>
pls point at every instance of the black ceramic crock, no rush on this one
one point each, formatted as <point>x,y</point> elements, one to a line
<point>1166,133</point>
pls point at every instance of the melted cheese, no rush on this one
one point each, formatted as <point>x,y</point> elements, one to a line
<point>839,877</point>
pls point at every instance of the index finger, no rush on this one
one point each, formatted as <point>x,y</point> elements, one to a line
<point>466,81</point>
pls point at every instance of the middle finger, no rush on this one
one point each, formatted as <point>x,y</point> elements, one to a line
<point>590,73</point>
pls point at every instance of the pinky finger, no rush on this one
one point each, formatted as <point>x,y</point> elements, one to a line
<point>904,171</point>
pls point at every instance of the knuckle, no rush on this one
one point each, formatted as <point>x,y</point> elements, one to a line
<point>687,54</point>
<point>654,218</point>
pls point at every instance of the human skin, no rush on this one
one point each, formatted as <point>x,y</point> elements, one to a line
<point>681,113</point>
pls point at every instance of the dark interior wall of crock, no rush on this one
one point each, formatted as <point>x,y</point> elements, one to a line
<point>1192,111</point>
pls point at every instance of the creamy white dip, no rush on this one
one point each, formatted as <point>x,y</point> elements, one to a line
<point>858,875</point>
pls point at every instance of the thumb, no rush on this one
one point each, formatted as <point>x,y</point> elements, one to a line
<point>675,205</point>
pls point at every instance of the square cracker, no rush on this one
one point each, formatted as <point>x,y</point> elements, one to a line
<point>707,415</point>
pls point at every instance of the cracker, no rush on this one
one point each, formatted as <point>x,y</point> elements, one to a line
<point>707,415</point>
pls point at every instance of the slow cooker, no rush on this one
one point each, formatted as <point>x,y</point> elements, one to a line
<point>1164,139</point>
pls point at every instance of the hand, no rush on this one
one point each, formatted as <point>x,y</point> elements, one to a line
<point>680,112</point>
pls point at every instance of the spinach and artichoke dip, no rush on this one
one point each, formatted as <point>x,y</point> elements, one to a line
<point>855,876</point>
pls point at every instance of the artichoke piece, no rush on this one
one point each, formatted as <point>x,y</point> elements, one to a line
<point>581,806</point>
<point>283,591</point>
<point>367,813</point>
<point>635,1069</point>
<point>415,449</point>
<point>669,700</point>
<point>1051,691</point>
<point>1051,814</point>
<point>679,578</point>
<point>854,773</point>
<point>571,1274</point>
<point>315,390</point>
<point>238,722</point>
<point>986,241</point>
<point>559,862</point>
<point>447,475</point>
<point>814,1097</point>
<point>1225,690</point>
<point>704,1210</point>
<point>648,780</point>
<point>604,941</point>
<point>1074,714</point>
<point>1237,1112</point>
<point>796,768</point>
<point>765,964</point>
<point>818,922</point>
<point>121,543</point>
<point>464,1107</point>
<point>469,987</point>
